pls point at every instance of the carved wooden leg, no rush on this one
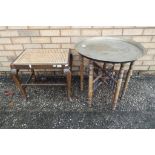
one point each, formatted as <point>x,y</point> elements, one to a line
<point>118,86</point>
<point>71,62</point>
<point>69,79</point>
<point>90,86</point>
<point>81,72</point>
<point>129,73</point>
<point>18,82</point>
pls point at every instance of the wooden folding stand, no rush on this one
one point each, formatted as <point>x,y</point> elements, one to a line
<point>99,74</point>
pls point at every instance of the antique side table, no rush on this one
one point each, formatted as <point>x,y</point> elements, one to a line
<point>31,59</point>
<point>108,50</point>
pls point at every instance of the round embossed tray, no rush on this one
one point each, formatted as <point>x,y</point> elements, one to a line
<point>110,49</point>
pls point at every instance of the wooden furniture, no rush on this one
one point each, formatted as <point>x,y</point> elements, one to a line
<point>31,59</point>
<point>111,51</point>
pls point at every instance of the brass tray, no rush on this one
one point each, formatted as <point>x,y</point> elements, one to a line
<point>110,49</point>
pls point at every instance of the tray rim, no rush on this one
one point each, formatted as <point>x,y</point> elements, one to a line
<point>130,41</point>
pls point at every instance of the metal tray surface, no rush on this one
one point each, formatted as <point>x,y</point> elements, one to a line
<point>110,49</point>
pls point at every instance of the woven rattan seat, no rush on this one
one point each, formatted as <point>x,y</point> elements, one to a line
<point>43,56</point>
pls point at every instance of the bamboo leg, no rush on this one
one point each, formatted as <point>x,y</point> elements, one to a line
<point>104,67</point>
<point>118,87</point>
<point>113,69</point>
<point>18,82</point>
<point>113,76</point>
<point>90,86</point>
<point>129,74</point>
<point>81,72</point>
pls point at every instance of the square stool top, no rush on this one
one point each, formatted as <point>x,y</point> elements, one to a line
<point>43,57</point>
